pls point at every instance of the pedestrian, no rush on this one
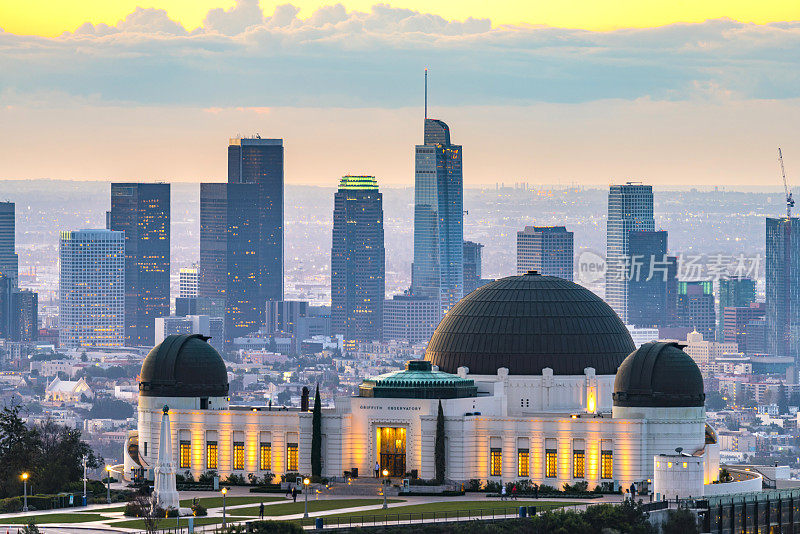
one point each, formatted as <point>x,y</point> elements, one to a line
<point>503,493</point>
<point>261,511</point>
<point>536,491</point>
<point>288,490</point>
<point>377,470</point>
<point>514,492</point>
<point>633,492</point>
<point>295,491</point>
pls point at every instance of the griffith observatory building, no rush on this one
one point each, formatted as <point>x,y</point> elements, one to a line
<point>538,379</point>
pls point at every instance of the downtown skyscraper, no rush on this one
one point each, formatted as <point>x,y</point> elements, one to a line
<point>438,269</point>
<point>358,260</point>
<point>91,310</point>
<point>142,212</point>
<point>783,288</point>
<point>548,250</point>
<point>260,161</point>
<point>9,262</point>
<point>229,266</point>
<point>630,209</point>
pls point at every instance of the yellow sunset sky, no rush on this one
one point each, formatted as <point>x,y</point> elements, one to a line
<point>52,17</point>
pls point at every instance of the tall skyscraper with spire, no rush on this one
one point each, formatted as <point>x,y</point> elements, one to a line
<point>438,269</point>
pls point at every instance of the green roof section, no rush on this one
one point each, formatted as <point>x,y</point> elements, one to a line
<point>418,381</point>
<point>358,183</point>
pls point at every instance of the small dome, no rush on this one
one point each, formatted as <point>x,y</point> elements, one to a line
<point>418,381</point>
<point>659,375</point>
<point>183,366</point>
<point>529,322</point>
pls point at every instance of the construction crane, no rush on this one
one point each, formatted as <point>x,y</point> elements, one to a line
<point>789,199</point>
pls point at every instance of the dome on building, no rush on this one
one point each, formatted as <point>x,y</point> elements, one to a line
<point>183,366</point>
<point>659,375</point>
<point>418,381</point>
<point>527,323</point>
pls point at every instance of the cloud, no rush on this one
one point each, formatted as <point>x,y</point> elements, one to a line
<point>233,21</point>
<point>335,57</point>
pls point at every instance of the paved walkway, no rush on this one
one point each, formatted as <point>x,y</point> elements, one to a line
<point>106,526</point>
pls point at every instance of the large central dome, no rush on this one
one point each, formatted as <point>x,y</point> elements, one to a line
<point>529,322</point>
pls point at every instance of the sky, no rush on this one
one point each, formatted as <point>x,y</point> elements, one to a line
<point>677,94</point>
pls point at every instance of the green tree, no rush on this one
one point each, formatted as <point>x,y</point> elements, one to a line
<point>438,453</point>
<point>19,451</point>
<point>61,457</point>
<point>783,400</point>
<point>715,402</point>
<point>316,436</point>
<point>680,521</point>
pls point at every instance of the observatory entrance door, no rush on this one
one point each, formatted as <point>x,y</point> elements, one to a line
<point>392,450</point>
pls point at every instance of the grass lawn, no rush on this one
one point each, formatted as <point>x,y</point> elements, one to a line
<point>54,518</point>
<point>170,522</point>
<point>216,502</point>
<point>440,508</point>
<point>313,506</point>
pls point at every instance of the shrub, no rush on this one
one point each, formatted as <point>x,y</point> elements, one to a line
<point>544,488</point>
<point>172,512</point>
<point>423,482</point>
<point>578,487</point>
<point>493,487</point>
<point>11,504</point>
<point>235,480</point>
<point>199,510</point>
<point>289,477</point>
<point>265,527</point>
<point>207,478</point>
<point>474,485</point>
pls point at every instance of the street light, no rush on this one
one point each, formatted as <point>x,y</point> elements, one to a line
<point>108,484</point>
<point>84,480</point>
<point>25,489</point>
<point>306,482</point>
<point>224,492</point>
<point>385,474</point>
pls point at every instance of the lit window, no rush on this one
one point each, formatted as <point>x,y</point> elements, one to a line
<point>495,462</point>
<point>211,455</point>
<point>522,462</point>
<point>669,465</point>
<point>550,463</point>
<point>606,464</point>
<point>685,465</point>
<point>265,456</point>
<point>291,456</point>
<point>185,455</point>
<point>238,455</point>
<point>578,464</point>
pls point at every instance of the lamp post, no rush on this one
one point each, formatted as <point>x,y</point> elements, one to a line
<point>108,484</point>
<point>385,474</point>
<point>224,492</point>
<point>25,490</point>
<point>84,480</point>
<point>306,482</point>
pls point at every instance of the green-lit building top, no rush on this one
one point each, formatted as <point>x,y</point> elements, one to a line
<point>358,182</point>
<point>418,381</point>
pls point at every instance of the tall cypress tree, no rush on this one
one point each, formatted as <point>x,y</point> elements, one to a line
<point>316,437</point>
<point>438,453</point>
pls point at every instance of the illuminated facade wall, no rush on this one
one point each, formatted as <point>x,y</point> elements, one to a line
<point>475,427</point>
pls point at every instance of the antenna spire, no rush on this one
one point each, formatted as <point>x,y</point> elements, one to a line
<point>426,92</point>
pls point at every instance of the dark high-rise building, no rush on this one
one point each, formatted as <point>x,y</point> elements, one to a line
<point>736,321</point>
<point>9,263</point>
<point>142,211</point>
<point>282,315</point>
<point>734,292</point>
<point>229,267</point>
<point>260,161</point>
<point>438,268</point>
<point>783,287</point>
<point>672,291</point>
<point>24,323</point>
<point>472,266</point>
<point>648,273</point>
<point>630,208</point>
<point>696,309</point>
<point>358,260</point>
<point>548,250</point>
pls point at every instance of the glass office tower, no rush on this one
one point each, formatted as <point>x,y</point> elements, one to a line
<point>358,260</point>
<point>783,288</point>
<point>437,272</point>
